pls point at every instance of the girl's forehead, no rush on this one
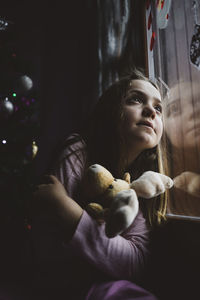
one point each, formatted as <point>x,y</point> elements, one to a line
<point>144,87</point>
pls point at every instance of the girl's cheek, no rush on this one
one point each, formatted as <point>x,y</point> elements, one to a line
<point>160,124</point>
<point>160,129</point>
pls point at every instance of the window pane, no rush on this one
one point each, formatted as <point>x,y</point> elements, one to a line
<point>176,60</point>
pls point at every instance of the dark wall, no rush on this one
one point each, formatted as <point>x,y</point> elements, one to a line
<point>69,69</point>
<point>70,65</point>
<point>59,42</point>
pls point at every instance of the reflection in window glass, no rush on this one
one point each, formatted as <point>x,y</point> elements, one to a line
<point>176,60</point>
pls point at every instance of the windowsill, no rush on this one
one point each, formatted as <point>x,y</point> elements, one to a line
<point>182,217</point>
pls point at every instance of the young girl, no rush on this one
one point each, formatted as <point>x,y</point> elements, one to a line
<point>122,134</point>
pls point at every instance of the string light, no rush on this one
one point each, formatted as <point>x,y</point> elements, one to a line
<point>14,95</point>
<point>4,142</point>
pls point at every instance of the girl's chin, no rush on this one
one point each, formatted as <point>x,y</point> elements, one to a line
<point>148,139</point>
<point>146,142</point>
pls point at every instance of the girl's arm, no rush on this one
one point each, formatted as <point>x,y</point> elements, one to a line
<point>120,257</point>
<point>51,197</point>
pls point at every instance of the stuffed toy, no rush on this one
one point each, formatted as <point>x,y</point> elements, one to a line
<point>116,200</point>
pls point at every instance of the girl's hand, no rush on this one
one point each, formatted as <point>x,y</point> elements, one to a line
<point>51,198</point>
<point>151,184</point>
<point>50,195</point>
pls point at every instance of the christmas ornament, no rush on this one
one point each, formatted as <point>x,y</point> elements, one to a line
<point>34,149</point>
<point>152,40</point>
<point>195,42</point>
<point>31,150</point>
<point>162,13</point>
<point>149,21</point>
<point>23,84</point>
<point>6,108</point>
<point>4,24</point>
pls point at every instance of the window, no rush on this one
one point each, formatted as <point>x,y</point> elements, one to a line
<point>173,47</point>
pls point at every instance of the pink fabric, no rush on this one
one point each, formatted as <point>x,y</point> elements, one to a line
<point>90,256</point>
<point>69,167</point>
<point>120,257</point>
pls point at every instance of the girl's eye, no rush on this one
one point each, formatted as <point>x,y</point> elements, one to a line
<point>134,100</point>
<point>158,108</point>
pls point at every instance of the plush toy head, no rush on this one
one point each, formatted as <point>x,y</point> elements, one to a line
<point>115,202</point>
<point>99,183</point>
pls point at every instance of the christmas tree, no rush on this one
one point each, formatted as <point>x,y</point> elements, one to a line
<point>19,124</point>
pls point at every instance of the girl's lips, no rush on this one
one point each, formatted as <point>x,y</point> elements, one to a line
<point>146,123</point>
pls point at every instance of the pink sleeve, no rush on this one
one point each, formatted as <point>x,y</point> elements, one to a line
<point>119,257</point>
<point>70,167</point>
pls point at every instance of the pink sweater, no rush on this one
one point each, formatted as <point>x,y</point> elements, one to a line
<point>122,257</point>
<point>90,256</point>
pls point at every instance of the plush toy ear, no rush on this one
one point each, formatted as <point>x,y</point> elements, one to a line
<point>127,177</point>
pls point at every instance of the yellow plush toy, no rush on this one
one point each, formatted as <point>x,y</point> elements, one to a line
<point>116,200</point>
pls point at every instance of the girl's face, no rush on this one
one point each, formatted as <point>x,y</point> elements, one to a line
<point>182,111</point>
<point>142,116</point>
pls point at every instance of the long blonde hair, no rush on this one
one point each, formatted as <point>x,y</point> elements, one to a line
<point>105,143</point>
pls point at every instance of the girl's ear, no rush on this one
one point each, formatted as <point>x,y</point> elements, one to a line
<point>127,177</point>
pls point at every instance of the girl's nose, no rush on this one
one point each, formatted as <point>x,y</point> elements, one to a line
<point>149,111</point>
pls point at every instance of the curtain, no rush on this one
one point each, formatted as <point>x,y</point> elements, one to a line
<point>120,39</point>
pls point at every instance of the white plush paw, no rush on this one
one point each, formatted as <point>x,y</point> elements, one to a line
<point>122,213</point>
<point>188,182</point>
<point>151,184</point>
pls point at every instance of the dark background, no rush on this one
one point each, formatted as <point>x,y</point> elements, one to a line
<point>58,44</point>
<point>59,40</point>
